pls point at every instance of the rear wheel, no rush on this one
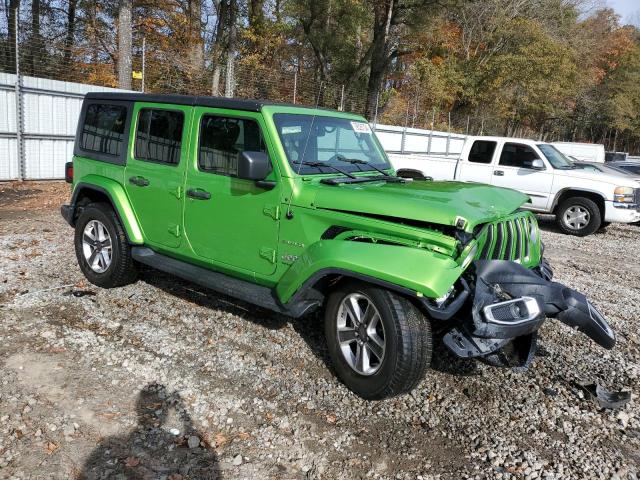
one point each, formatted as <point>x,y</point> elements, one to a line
<point>379,342</point>
<point>578,216</point>
<point>102,249</point>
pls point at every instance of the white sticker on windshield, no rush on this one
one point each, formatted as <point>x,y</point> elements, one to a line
<point>291,129</point>
<point>361,127</point>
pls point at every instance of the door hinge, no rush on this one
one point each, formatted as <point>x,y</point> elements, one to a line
<point>272,211</point>
<point>177,192</point>
<point>174,230</point>
<point>268,254</point>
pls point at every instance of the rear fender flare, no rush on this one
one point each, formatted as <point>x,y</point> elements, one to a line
<point>118,199</point>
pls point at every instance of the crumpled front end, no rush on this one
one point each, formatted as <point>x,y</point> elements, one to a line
<point>507,304</point>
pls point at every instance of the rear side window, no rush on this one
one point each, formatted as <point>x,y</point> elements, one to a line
<point>222,138</point>
<point>159,135</point>
<point>516,154</point>
<point>482,151</point>
<point>103,130</point>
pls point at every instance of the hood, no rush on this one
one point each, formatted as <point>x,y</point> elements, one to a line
<point>433,202</point>
<point>617,179</point>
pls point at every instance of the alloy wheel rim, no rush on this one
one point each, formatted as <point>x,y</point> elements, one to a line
<point>96,246</point>
<point>361,335</point>
<point>576,217</point>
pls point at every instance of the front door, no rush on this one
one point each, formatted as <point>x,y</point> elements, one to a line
<point>512,171</point>
<point>230,221</point>
<point>155,172</point>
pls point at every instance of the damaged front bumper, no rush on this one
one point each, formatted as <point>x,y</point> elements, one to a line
<point>500,309</point>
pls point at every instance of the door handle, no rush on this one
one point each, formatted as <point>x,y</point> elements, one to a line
<point>198,194</point>
<point>498,173</point>
<point>139,181</point>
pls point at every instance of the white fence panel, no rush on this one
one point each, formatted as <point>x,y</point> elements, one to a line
<point>9,168</point>
<point>415,140</point>
<point>50,115</point>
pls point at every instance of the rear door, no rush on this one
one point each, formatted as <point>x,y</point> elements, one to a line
<point>228,220</point>
<point>511,172</point>
<point>477,167</point>
<point>155,170</point>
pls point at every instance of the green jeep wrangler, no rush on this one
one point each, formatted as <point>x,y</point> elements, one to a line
<point>294,209</point>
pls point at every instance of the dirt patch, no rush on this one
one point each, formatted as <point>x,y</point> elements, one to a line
<point>31,196</point>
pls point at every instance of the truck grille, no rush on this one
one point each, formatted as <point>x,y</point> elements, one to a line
<point>508,240</point>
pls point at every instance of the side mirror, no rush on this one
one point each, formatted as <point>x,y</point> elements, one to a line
<point>253,165</point>
<point>535,164</point>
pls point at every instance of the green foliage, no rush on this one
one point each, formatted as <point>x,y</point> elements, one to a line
<point>497,66</point>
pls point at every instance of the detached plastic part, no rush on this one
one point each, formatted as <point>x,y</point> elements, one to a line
<point>503,313</point>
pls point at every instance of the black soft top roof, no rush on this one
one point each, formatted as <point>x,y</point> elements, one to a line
<point>190,100</point>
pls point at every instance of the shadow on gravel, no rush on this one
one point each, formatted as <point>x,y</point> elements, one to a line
<point>154,449</point>
<point>442,360</point>
<point>310,328</point>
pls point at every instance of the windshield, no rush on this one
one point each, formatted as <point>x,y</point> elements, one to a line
<point>332,141</point>
<point>556,159</point>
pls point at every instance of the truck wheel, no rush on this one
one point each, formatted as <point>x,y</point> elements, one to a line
<point>102,249</point>
<point>578,216</point>
<point>379,343</point>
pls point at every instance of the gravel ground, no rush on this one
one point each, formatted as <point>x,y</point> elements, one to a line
<point>164,380</point>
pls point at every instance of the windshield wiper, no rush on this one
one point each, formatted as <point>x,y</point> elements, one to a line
<point>357,161</point>
<point>319,165</point>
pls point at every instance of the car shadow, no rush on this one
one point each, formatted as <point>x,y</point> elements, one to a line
<point>310,327</point>
<point>207,298</point>
<point>164,444</point>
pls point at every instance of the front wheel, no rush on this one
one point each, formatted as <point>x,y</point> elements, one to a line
<point>379,342</point>
<point>578,216</point>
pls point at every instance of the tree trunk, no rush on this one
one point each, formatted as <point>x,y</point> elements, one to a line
<point>14,7</point>
<point>196,49</point>
<point>230,85</point>
<point>36,39</point>
<point>70,34</point>
<point>383,13</point>
<point>217,47</point>
<point>256,16</point>
<point>125,40</point>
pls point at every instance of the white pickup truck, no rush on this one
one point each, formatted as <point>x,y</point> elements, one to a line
<point>583,201</point>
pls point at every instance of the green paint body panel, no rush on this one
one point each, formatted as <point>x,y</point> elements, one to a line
<point>420,270</point>
<point>399,233</point>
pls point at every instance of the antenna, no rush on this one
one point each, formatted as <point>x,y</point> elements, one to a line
<point>289,213</point>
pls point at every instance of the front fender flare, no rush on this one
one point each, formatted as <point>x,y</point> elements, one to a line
<point>423,272</point>
<point>119,200</point>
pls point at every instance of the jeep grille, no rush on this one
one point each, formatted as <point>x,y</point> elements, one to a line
<point>509,239</point>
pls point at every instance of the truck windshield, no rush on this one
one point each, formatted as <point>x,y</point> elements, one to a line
<point>555,157</point>
<point>312,141</point>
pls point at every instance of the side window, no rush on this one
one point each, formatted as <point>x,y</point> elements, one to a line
<point>222,138</point>
<point>103,129</point>
<point>515,155</point>
<point>159,135</point>
<point>482,151</point>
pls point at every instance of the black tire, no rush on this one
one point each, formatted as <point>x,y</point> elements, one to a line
<point>594,216</point>
<point>122,269</point>
<point>604,225</point>
<point>407,339</point>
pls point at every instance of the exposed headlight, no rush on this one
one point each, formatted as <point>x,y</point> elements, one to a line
<point>470,257</point>
<point>624,195</point>
<point>441,300</point>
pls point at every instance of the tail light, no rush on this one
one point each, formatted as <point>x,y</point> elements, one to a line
<point>68,172</point>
